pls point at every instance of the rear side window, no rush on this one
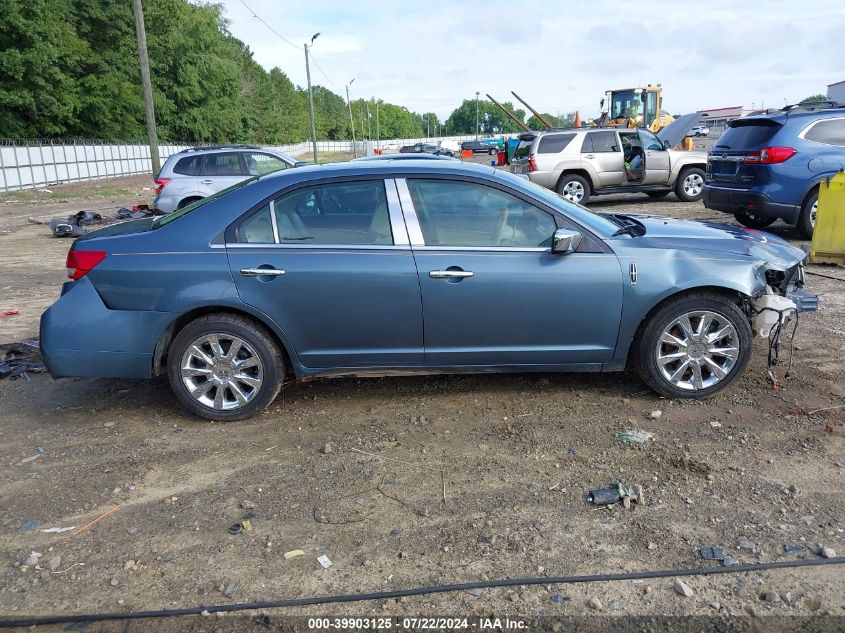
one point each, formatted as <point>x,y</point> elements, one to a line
<point>554,143</point>
<point>189,166</point>
<point>223,164</point>
<point>523,149</point>
<point>601,142</point>
<point>748,135</point>
<point>829,132</point>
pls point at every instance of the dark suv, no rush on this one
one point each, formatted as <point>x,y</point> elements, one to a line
<point>768,166</point>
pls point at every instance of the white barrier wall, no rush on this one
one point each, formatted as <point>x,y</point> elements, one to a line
<point>41,164</point>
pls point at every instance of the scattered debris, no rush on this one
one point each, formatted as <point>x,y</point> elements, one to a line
<point>9,312</point>
<point>769,596</point>
<point>27,527</point>
<point>58,530</point>
<point>327,449</point>
<point>711,553</point>
<point>614,494</point>
<point>54,563</point>
<point>792,549</point>
<point>231,588</point>
<point>595,604</point>
<point>32,559</point>
<point>828,552</point>
<point>97,520</point>
<point>324,561</point>
<point>682,588</point>
<point>747,545</point>
<point>716,424</point>
<point>476,592</point>
<point>634,437</point>
<point>556,598</point>
<point>137,212</point>
<point>74,225</point>
<point>16,359</point>
<point>26,460</point>
<point>236,528</point>
<point>294,553</point>
<point>654,415</point>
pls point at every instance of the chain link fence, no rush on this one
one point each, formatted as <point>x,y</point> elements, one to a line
<point>34,164</point>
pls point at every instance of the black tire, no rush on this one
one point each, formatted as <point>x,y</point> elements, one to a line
<point>807,219</point>
<point>493,152</point>
<point>657,194</point>
<point>753,221</point>
<point>450,154</point>
<point>645,346</point>
<point>573,178</point>
<point>187,201</point>
<point>255,336</point>
<point>680,191</point>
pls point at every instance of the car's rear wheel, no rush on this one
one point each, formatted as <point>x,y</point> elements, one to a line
<point>574,188</point>
<point>225,367</point>
<point>693,346</point>
<point>753,221</point>
<point>807,219</point>
<point>690,184</point>
<point>657,194</point>
<point>493,151</point>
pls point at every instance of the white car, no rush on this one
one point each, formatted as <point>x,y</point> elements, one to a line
<point>699,130</point>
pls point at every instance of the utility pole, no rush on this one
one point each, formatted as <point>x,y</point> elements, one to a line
<point>146,86</point>
<point>369,124</point>
<point>351,120</point>
<point>311,98</point>
<point>476,114</point>
<point>378,138</point>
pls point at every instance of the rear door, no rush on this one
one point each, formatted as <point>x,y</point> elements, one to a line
<point>219,171</point>
<point>340,277</point>
<point>603,152</point>
<point>519,160</point>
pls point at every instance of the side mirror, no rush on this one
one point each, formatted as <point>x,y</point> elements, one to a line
<point>565,241</point>
<point>666,145</point>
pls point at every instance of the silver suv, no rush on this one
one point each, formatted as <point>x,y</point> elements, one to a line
<point>198,172</point>
<point>582,162</point>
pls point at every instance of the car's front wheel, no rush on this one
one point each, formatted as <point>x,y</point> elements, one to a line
<point>225,367</point>
<point>690,184</point>
<point>693,346</point>
<point>753,221</point>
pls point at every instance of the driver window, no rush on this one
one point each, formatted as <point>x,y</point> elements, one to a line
<point>650,141</point>
<point>459,213</point>
<point>349,213</point>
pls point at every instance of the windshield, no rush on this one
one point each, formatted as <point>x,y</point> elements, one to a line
<point>180,213</point>
<point>625,103</point>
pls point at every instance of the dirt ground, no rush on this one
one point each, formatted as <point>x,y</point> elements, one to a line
<point>404,482</point>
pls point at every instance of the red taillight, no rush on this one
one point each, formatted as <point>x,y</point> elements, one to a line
<point>770,155</point>
<point>80,263</point>
<point>532,163</point>
<point>160,184</point>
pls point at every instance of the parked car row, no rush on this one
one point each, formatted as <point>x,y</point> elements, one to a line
<point>387,266</point>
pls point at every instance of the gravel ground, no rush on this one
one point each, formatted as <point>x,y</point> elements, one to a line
<point>404,482</point>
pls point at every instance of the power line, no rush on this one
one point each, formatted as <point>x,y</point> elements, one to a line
<point>322,72</point>
<point>275,32</point>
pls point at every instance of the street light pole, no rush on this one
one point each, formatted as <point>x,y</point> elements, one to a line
<point>369,124</point>
<point>351,120</point>
<point>146,86</point>
<point>476,114</point>
<point>311,98</point>
<point>378,137</point>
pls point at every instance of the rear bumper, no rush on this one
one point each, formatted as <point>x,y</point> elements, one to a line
<point>166,204</point>
<point>753,202</point>
<point>80,336</point>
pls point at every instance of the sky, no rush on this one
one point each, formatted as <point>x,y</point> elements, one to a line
<point>559,56</point>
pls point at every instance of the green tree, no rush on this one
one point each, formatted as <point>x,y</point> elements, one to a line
<point>813,99</point>
<point>491,119</point>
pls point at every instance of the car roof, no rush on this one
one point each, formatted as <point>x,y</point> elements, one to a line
<point>403,157</point>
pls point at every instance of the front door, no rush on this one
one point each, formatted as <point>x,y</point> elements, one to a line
<point>656,159</point>
<point>492,291</point>
<point>331,265</point>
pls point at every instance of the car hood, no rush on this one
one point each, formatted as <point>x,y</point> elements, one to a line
<point>717,238</point>
<point>675,132</point>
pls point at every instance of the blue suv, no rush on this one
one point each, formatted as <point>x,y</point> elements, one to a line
<point>768,166</point>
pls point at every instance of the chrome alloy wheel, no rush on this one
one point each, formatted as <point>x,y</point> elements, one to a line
<point>221,371</point>
<point>573,191</point>
<point>813,210</point>
<point>697,350</point>
<point>693,184</point>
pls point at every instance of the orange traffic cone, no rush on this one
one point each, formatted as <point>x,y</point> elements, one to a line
<point>577,119</point>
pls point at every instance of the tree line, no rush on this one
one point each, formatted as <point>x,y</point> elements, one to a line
<point>69,68</point>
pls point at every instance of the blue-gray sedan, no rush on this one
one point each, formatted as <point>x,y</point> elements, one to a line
<point>386,267</point>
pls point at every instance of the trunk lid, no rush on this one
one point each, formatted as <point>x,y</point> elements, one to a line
<point>726,160</point>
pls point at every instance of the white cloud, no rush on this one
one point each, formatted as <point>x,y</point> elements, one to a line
<point>560,56</point>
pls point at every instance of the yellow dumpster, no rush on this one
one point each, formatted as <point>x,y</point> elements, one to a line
<point>828,246</point>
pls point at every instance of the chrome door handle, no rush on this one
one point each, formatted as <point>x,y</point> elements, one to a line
<point>589,156</point>
<point>450,274</point>
<point>207,182</point>
<point>261,272</point>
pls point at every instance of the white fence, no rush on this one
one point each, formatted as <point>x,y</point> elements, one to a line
<point>41,164</point>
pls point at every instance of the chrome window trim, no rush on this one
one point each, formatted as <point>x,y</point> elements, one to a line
<point>480,249</point>
<point>394,210</point>
<point>312,247</point>
<point>274,221</point>
<point>412,223</point>
<point>803,133</point>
